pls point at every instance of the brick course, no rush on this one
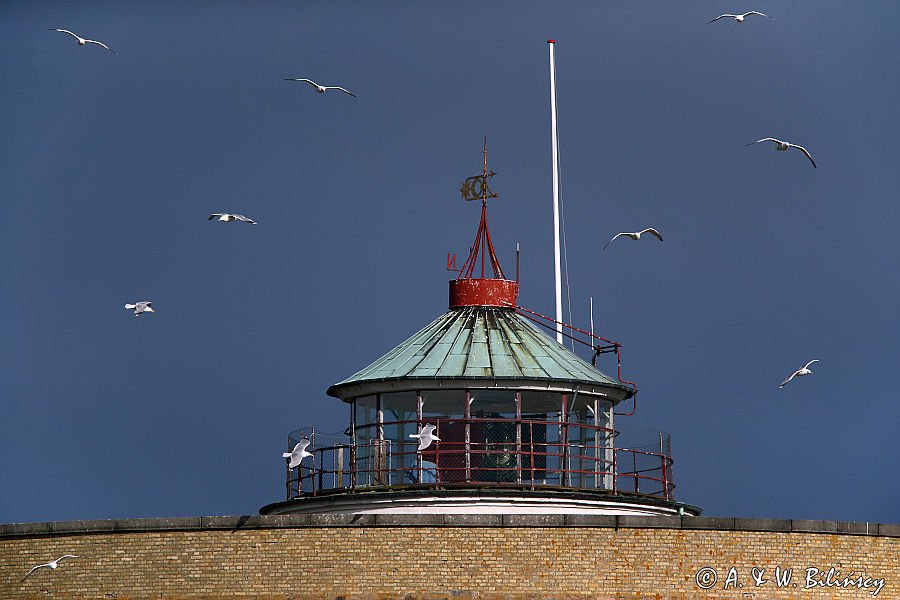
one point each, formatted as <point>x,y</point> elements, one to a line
<point>428,557</point>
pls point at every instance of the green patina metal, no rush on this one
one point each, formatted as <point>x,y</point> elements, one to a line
<point>477,342</point>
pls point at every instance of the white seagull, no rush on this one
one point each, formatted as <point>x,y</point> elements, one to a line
<point>298,453</point>
<point>140,307</point>
<point>82,41</point>
<point>804,370</point>
<point>50,565</point>
<point>739,18</point>
<point>635,235</point>
<point>782,146</point>
<point>226,217</point>
<point>320,88</point>
<point>426,437</point>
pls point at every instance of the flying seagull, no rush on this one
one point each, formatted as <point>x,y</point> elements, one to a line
<point>739,18</point>
<point>82,41</point>
<point>635,235</point>
<point>320,88</point>
<point>51,565</point>
<point>225,217</point>
<point>804,370</point>
<point>782,146</point>
<point>426,437</point>
<point>298,453</point>
<point>140,307</point>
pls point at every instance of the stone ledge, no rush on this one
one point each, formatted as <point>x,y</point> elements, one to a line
<point>248,522</point>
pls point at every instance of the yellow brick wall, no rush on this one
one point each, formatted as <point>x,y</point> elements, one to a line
<point>437,562</point>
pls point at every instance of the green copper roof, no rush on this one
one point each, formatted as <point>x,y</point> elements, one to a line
<point>481,343</point>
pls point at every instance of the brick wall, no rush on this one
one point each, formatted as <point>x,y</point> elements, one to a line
<point>449,556</point>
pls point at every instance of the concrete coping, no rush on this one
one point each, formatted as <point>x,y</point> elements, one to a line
<point>237,523</point>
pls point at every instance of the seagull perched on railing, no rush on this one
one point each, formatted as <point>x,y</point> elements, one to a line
<point>804,370</point>
<point>50,565</point>
<point>140,307</point>
<point>739,18</point>
<point>82,41</point>
<point>320,88</point>
<point>635,235</point>
<point>426,437</point>
<point>782,146</point>
<point>226,217</point>
<point>298,453</point>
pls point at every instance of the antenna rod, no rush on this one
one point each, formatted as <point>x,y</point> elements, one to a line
<point>555,150</point>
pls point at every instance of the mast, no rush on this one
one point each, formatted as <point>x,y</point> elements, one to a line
<point>555,151</point>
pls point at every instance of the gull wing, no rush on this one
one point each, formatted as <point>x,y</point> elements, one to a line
<point>765,140</point>
<point>613,239</point>
<point>245,219</point>
<point>74,35</point>
<point>652,231</point>
<point>720,17</point>
<point>806,366</point>
<point>309,81</point>
<point>214,215</point>
<point>334,87</point>
<point>100,44</point>
<point>33,569</point>
<point>785,382</point>
<point>806,152</point>
<point>756,12</point>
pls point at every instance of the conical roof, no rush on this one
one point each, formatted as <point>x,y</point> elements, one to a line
<point>480,344</point>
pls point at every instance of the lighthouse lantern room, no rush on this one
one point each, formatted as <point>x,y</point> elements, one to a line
<point>481,411</point>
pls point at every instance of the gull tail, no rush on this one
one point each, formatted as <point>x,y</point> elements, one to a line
<point>130,306</point>
<point>285,455</point>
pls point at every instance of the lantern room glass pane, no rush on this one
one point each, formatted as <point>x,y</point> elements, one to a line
<point>590,442</point>
<point>445,409</point>
<point>399,410</point>
<point>493,435</point>
<point>541,446</point>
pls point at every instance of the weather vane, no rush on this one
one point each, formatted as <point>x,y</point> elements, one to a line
<point>476,187</point>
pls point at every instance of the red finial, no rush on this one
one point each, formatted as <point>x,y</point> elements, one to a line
<point>551,41</point>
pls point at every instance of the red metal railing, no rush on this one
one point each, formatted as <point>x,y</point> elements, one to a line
<point>587,460</point>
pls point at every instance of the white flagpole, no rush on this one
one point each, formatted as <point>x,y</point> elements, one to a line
<point>593,343</point>
<point>553,135</point>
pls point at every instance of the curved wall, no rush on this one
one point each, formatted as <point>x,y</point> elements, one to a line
<point>449,556</point>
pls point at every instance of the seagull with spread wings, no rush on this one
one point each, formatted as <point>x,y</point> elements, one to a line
<point>739,18</point>
<point>426,437</point>
<point>140,307</point>
<point>50,565</point>
<point>320,88</point>
<point>82,41</point>
<point>804,370</point>
<point>298,453</point>
<point>226,217</point>
<point>635,235</point>
<point>782,146</point>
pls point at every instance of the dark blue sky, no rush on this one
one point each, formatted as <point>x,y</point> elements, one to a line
<point>110,165</point>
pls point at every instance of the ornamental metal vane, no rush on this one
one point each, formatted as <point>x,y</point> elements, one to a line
<point>476,187</point>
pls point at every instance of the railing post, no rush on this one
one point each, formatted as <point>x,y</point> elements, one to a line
<point>663,458</point>
<point>467,414</point>
<point>637,485</point>
<point>531,451</point>
<point>519,437</point>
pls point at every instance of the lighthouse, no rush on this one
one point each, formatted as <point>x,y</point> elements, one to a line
<point>481,411</point>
